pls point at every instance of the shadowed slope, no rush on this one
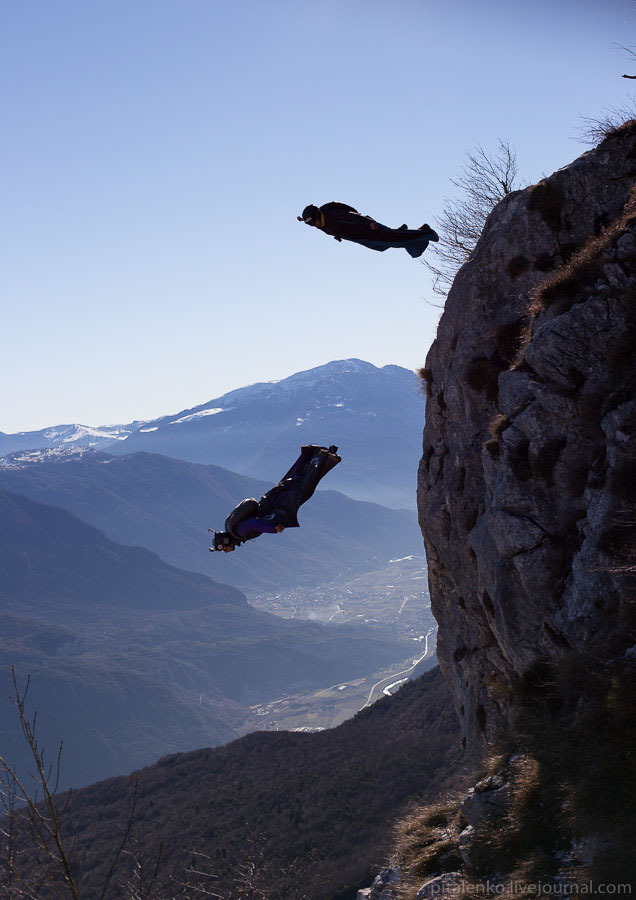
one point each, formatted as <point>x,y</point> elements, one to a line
<point>336,793</point>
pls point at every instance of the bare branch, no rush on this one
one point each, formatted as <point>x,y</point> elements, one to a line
<point>124,840</point>
<point>34,855</point>
<point>485,179</point>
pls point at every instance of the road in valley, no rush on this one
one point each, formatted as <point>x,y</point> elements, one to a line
<point>389,679</point>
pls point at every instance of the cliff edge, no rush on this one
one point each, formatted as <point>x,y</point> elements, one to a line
<point>526,486</point>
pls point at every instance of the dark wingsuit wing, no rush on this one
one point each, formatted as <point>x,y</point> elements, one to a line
<point>297,485</point>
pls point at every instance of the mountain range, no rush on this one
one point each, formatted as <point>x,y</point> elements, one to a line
<point>373,414</point>
<point>167,506</point>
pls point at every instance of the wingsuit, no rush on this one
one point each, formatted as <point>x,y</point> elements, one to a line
<point>278,507</point>
<point>344,222</point>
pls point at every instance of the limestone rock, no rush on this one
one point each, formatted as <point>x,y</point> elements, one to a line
<point>488,799</point>
<point>384,887</point>
<point>465,842</point>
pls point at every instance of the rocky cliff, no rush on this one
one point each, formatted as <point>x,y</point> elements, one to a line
<point>526,495</point>
<point>527,484</point>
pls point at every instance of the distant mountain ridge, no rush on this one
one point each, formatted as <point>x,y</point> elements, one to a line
<point>373,414</point>
<point>167,506</point>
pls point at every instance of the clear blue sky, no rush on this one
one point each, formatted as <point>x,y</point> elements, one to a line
<point>155,154</point>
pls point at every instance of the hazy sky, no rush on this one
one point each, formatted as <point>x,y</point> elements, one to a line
<point>155,155</point>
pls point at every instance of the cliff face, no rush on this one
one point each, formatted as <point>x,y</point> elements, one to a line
<point>527,475</point>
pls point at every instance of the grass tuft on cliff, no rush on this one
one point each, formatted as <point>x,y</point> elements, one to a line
<point>425,842</point>
<point>614,123</point>
<point>570,283</point>
<point>426,378</point>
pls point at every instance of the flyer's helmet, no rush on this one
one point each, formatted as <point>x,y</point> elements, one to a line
<point>310,214</point>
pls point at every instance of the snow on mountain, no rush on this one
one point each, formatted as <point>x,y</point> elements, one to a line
<point>84,433</point>
<point>197,415</point>
<point>20,458</point>
<point>58,435</point>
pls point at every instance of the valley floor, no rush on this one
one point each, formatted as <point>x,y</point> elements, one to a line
<point>317,710</point>
<point>394,596</point>
<point>394,599</point>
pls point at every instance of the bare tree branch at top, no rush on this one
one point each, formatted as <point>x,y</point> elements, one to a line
<point>630,52</point>
<point>486,178</point>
